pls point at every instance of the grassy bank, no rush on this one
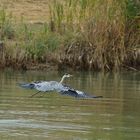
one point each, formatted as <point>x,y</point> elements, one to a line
<point>81,34</point>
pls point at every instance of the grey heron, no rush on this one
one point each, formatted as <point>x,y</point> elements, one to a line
<point>48,86</point>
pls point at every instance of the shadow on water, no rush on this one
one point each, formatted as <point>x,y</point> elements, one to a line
<point>53,116</point>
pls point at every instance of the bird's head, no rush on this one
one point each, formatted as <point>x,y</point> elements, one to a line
<point>67,75</point>
<point>64,76</point>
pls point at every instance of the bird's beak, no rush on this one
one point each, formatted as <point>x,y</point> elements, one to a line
<point>71,75</point>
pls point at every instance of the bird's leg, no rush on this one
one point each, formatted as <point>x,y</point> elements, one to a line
<point>35,94</point>
<point>41,95</point>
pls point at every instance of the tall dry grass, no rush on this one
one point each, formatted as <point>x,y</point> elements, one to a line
<point>82,34</point>
<point>99,32</point>
<point>23,45</point>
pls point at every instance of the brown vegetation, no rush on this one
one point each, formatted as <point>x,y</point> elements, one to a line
<point>82,34</point>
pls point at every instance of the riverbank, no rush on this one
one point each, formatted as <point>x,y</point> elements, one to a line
<point>81,35</point>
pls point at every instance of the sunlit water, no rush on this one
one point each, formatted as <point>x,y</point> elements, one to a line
<point>55,117</point>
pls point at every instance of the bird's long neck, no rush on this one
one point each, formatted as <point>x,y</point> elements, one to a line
<point>62,79</point>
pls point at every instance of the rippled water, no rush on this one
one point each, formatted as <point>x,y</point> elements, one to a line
<point>57,117</point>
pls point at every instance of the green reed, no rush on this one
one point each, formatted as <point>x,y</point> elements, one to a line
<point>6,26</point>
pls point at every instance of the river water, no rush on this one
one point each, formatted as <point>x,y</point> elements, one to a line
<point>55,117</point>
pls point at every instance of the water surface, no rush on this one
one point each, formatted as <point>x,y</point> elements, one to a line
<point>57,117</point>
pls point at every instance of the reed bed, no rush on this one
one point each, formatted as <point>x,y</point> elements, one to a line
<point>81,34</point>
<point>101,31</point>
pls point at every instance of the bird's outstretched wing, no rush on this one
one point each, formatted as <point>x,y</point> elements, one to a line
<point>76,93</point>
<point>29,85</point>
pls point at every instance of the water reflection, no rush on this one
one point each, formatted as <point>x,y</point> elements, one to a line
<point>53,116</point>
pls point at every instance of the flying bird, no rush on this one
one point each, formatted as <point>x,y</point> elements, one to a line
<point>48,86</point>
